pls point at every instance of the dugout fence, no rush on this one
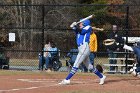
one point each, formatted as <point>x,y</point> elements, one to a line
<point>33,25</point>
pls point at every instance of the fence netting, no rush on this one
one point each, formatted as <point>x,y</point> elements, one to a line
<point>33,25</point>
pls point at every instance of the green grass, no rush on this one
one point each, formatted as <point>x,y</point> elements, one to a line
<point>19,72</point>
<point>34,62</point>
<point>14,72</point>
<point>23,62</point>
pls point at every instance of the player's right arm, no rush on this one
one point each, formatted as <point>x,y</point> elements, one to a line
<point>128,48</point>
<point>75,27</point>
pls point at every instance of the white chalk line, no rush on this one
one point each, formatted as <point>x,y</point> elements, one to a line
<point>77,81</point>
<point>28,80</point>
<point>28,88</point>
<point>36,80</point>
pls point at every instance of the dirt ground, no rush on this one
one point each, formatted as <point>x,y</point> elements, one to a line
<point>43,82</point>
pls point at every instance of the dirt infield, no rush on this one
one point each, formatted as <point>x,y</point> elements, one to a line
<point>43,82</point>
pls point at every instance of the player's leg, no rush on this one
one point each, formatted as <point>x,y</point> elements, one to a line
<point>138,70</point>
<point>94,70</point>
<point>83,52</point>
<point>135,71</point>
<point>87,63</point>
<point>132,70</point>
<point>74,69</point>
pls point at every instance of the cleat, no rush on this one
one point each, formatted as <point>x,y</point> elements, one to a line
<point>64,82</point>
<point>134,73</point>
<point>138,74</point>
<point>102,80</point>
<point>130,71</point>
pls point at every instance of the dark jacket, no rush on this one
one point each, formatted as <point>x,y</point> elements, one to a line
<point>118,38</point>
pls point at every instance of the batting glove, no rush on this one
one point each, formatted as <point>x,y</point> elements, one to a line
<point>73,24</point>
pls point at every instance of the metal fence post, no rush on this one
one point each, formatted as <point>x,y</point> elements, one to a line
<point>43,14</point>
<point>127,29</point>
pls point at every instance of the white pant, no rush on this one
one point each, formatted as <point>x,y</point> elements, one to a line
<point>83,56</point>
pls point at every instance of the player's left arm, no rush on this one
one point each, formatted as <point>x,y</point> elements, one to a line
<point>86,30</point>
<point>76,29</point>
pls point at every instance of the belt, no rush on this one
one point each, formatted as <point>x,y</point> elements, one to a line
<point>80,44</point>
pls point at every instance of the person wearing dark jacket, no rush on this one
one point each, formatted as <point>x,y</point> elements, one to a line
<point>113,48</point>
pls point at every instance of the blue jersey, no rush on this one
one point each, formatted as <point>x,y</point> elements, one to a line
<point>83,35</point>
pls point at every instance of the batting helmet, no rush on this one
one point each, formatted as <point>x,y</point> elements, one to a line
<point>86,22</point>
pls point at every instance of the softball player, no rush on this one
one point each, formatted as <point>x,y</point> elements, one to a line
<point>136,50</point>
<point>83,32</point>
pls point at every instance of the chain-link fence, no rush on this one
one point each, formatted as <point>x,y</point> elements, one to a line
<point>33,25</point>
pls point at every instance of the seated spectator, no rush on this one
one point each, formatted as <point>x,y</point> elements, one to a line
<point>46,56</point>
<point>53,54</point>
<point>53,50</point>
<point>72,55</point>
<point>50,55</point>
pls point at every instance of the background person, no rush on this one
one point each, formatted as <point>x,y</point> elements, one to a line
<point>136,50</point>
<point>46,56</point>
<point>113,48</point>
<point>93,47</point>
<point>54,54</point>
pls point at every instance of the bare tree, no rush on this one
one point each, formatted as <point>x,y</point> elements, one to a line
<point>134,13</point>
